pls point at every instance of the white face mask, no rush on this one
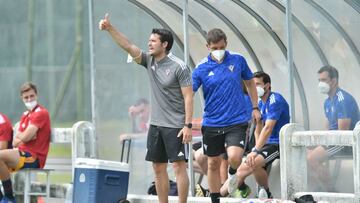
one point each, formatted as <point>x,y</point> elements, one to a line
<point>30,105</point>
<point>324,87</point>
<point>218,54</point>
<point>260,91</point>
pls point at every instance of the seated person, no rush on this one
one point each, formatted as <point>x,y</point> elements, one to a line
<point>274,115</point>
<point>140,116</point>
<point>342,113</point>
<point>31,141</point>
<point>6,134</point>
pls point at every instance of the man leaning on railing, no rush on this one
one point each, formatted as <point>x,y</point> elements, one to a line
<point>342,113</point>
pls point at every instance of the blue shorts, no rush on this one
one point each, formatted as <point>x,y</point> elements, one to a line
<point>27,160</point>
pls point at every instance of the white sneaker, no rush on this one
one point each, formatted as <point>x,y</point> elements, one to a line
<point>262,194</point>
<point>232,184</point>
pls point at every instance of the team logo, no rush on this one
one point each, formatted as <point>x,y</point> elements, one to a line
<point>211,73</point>
<point>167,71</point>
<point>231,68</point>
<point>181,154</point>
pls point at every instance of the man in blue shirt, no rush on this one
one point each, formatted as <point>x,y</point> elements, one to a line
<point>274,114</point>
<point>342,113</point>
<point>225,118</point>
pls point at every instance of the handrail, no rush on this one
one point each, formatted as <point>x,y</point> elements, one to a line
<point>293,162</point>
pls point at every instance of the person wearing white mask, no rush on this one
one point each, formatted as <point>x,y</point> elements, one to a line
<point>274,114</point>
<point>31,142</point>
<point>342,113</point>
<point>225,118</point>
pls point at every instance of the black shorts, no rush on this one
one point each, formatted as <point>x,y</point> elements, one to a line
<point>196,145</point>
<point>270,152</point>
<point>163,145</point>
<point>216,138</point>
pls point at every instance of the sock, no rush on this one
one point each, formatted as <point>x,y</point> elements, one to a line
<point>268,193</point>
<point>242,186</point>
<point>232,171</point>
<point>1,194</point>
<point>215,197</point>
<point>8,188</point>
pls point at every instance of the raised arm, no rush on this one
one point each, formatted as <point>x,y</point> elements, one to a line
<point>120,39</point>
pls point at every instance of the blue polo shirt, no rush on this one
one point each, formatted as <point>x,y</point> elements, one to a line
<point>341,106</point>
<point>275,108</point>
<point>224,99</point>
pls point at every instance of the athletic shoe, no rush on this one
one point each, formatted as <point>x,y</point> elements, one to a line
<point>262,194</point>
<point>201,192</point>
<point>245,192</point>
<point>232,184</point>
<point>236,194</point>
<point>7,200</point>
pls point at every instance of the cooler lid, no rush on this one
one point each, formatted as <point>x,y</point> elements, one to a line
<point>101,164</point>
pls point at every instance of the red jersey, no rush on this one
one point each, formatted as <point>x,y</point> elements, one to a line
<point>39,146</point>
<point>6,130</point>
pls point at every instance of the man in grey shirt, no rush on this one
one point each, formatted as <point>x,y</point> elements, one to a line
<point>171,106</point>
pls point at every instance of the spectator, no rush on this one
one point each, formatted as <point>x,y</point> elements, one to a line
<point>140,116</point>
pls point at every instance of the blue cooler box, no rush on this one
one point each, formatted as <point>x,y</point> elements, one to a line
<point>98,181</point>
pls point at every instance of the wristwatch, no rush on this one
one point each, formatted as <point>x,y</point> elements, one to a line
<point>189,125</point>
<point>256,108</point>
<point>255,150</point>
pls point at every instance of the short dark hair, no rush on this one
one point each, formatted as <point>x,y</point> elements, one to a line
<point>27,86</point>
<point>333,72</point>
<point>165,36</point>
<point>141,101</point>
<point>264,76</point>
<point>215,35</point>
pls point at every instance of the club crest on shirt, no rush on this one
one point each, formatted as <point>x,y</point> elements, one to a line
<point>167,71</point>
<point>231,68</point>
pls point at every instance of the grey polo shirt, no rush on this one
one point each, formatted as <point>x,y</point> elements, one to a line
<point>167,76</point>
